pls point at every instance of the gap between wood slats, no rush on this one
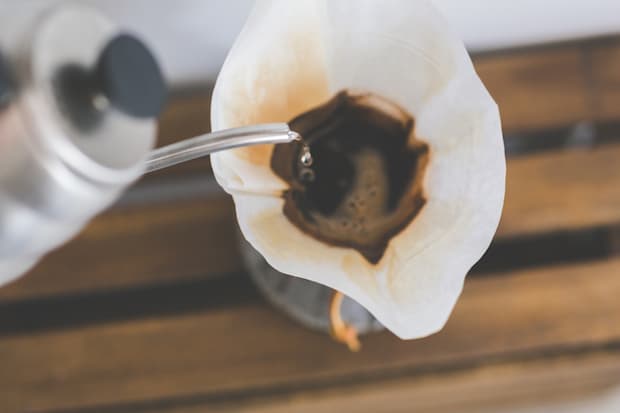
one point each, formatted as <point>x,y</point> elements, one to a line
<point>253,348</point>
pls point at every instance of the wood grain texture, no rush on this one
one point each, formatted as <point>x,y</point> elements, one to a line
<point>605,79</point>
<point>538,89</point>
<point>554,86</point>
<point>252,349</point>
<point>551,381</point>
<point>565,190</point>
<point>138,246</point>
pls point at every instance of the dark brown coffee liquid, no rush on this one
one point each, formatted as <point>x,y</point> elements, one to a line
<point>367,175</point>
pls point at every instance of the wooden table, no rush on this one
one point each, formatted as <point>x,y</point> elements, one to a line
<point>149,310</point>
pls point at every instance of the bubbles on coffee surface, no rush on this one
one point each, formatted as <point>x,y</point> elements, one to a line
<point>356,179</point>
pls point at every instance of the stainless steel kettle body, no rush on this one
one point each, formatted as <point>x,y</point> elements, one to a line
<point>78,104</point>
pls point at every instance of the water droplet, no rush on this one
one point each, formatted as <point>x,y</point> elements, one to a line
<point>306,157</point>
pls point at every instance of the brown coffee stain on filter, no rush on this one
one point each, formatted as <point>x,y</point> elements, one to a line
<point>279,88</point>
<point>368,173</point>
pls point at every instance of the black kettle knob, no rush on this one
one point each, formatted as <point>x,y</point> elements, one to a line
<point>130,78</point>
<point>126,76</point>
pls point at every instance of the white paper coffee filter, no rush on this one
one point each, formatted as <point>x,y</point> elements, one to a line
<point>295,55</point>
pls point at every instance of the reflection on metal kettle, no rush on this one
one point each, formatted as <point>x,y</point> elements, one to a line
<point>78,106</point>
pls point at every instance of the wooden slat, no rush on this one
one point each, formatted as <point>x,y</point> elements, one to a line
<point>554,86</point>
<point>553,191</point>
<point>139,245</point>
<point>551,383</point>
<point>538,89</point>
<point>252,348</point>
<point>605,78</point>
<point>567,190</point>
